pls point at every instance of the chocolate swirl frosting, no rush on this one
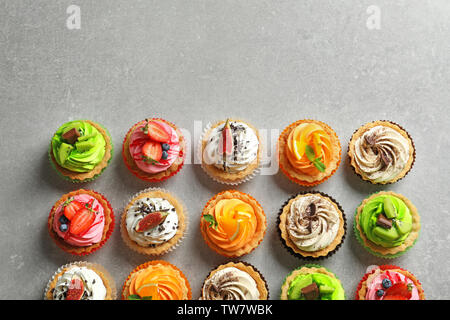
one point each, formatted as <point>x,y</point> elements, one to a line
<point>312,222</point>
<point>381,154</point>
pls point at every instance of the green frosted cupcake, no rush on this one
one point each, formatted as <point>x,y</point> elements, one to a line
<point>80,150</point>
<point>387,224</point>
<point>312,282</point>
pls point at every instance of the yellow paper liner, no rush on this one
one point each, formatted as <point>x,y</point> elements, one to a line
<point>301,178</point>
<point>360,131</point>
<point>87,176</point>
<point>153,177</point>
<point>290,245</point>
<point>107,229</point>
<point>260,229</point>
<point>171,243</point>
<point>227,177</point>
<point>108,280</point>
<point>409,241</point>
<point>155,262</point>
<point>261,283</point>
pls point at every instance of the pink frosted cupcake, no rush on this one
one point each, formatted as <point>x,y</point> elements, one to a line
<point>154,149</point>
<point>81,221</point>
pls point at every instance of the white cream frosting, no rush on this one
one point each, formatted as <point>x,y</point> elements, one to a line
<point>230,284</point>
<point>94,289</point>
<point>245,148</point>
<point>381,154</point>
<point>312,229</point>
<point>157,235</point>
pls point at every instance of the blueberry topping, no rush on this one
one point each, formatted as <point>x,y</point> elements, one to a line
<point>63,219</point>
<point>63,227</point>
<point>165,155</point>
<point>386,283</point>
<point>165,146</point>
<point>380,292</point>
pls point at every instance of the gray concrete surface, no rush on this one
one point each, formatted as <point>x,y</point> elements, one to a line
<point>269,62</point>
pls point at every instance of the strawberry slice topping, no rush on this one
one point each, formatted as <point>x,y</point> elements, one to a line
<point>71,207</point>
<point>152,151</point>
<point>75,289</point>
<point>156,132</point>
<point>151,220</point>
<point>81,221</point>
<point>400,289</point>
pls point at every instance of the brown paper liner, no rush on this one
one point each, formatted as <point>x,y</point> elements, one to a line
<point>171,243</point>
<point>108,281</point>
<point>153,177</point>
<point>259,232</point>
<point>227,177</point>
<point>107,230</point>
<point>87,176</point>
<point>155,262</point>
<point>298,177</point>
<point>361,290</point>
<point>360,131</point>
<point>261,282</point>
<point>409,241</point>
<point>290,245</point>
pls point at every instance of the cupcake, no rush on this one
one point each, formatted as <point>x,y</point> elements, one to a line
<point>235,281</point>
<point>231,151</point>
<point>387,224</point>
<point>153,222</point>
<point>81,222</point>
<point>80,150</point>
<point>81,281</point>
<point>312,225</point>
<point>154,149</point>
<point>156,280</point>
<point>381,152</point>
<point>389,283</point>
<point>309,152</point>
<point>233,223</point>
<point>312,282</point>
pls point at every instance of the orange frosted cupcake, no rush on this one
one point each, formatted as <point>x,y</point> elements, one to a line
<point>156,280</point>
<point>309,152</point>
<point>233,223</point>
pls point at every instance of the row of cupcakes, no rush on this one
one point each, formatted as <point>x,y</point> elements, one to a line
<point>161,280</point>
<point>309,151</point>
<point>311,224</point>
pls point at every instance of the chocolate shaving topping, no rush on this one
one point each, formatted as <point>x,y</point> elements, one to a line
<point>370,139</point>
<point>384,222</point>
<point>385,157</point>
<point>71,136</point>
<point>311,292</point>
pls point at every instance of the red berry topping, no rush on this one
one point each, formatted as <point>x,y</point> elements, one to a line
<point>71,207</point>
<point>75,289</point>
<point>152,151</point>
<point>399,289</point>
<point>151,220</point>
<point>156,132</point>
<point>81,221</point>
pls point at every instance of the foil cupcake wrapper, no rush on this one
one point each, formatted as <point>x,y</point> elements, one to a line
<point>139,173</point>
<point>88,250</point>
<point>199,155</point>
<point>361,241</point>
<point>134,246</point>
<point>96,267</point>
<point>298,255</point>
<point>384,183</point>
<point>236,262</point>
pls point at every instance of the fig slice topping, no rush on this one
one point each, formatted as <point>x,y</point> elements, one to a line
<point>151,221</point>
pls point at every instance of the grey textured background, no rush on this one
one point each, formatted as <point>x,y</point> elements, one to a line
<point>269,62</point>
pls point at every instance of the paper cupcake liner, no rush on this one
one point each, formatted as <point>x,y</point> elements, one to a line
<point>236,262</point>
<point>312,265</point>
<point>361,241</point>
<point>99,269</point>
<point>386,267</point>
<point>248,177</point>
<point>299,255</point>
<point>154,262</point>
<point>286,171</point>
<point>247,251</point>
<point>147,176</point>
<point>81,251</point>
<point>382,183</point>
<point>144,250</point>
<point>55,166</point>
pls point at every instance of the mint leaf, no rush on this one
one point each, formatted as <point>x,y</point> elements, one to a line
<point>147,298</point>
<point>212,221</point>
<point>310,154</point>
<point>133,297</point>
<point>319,165</point>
